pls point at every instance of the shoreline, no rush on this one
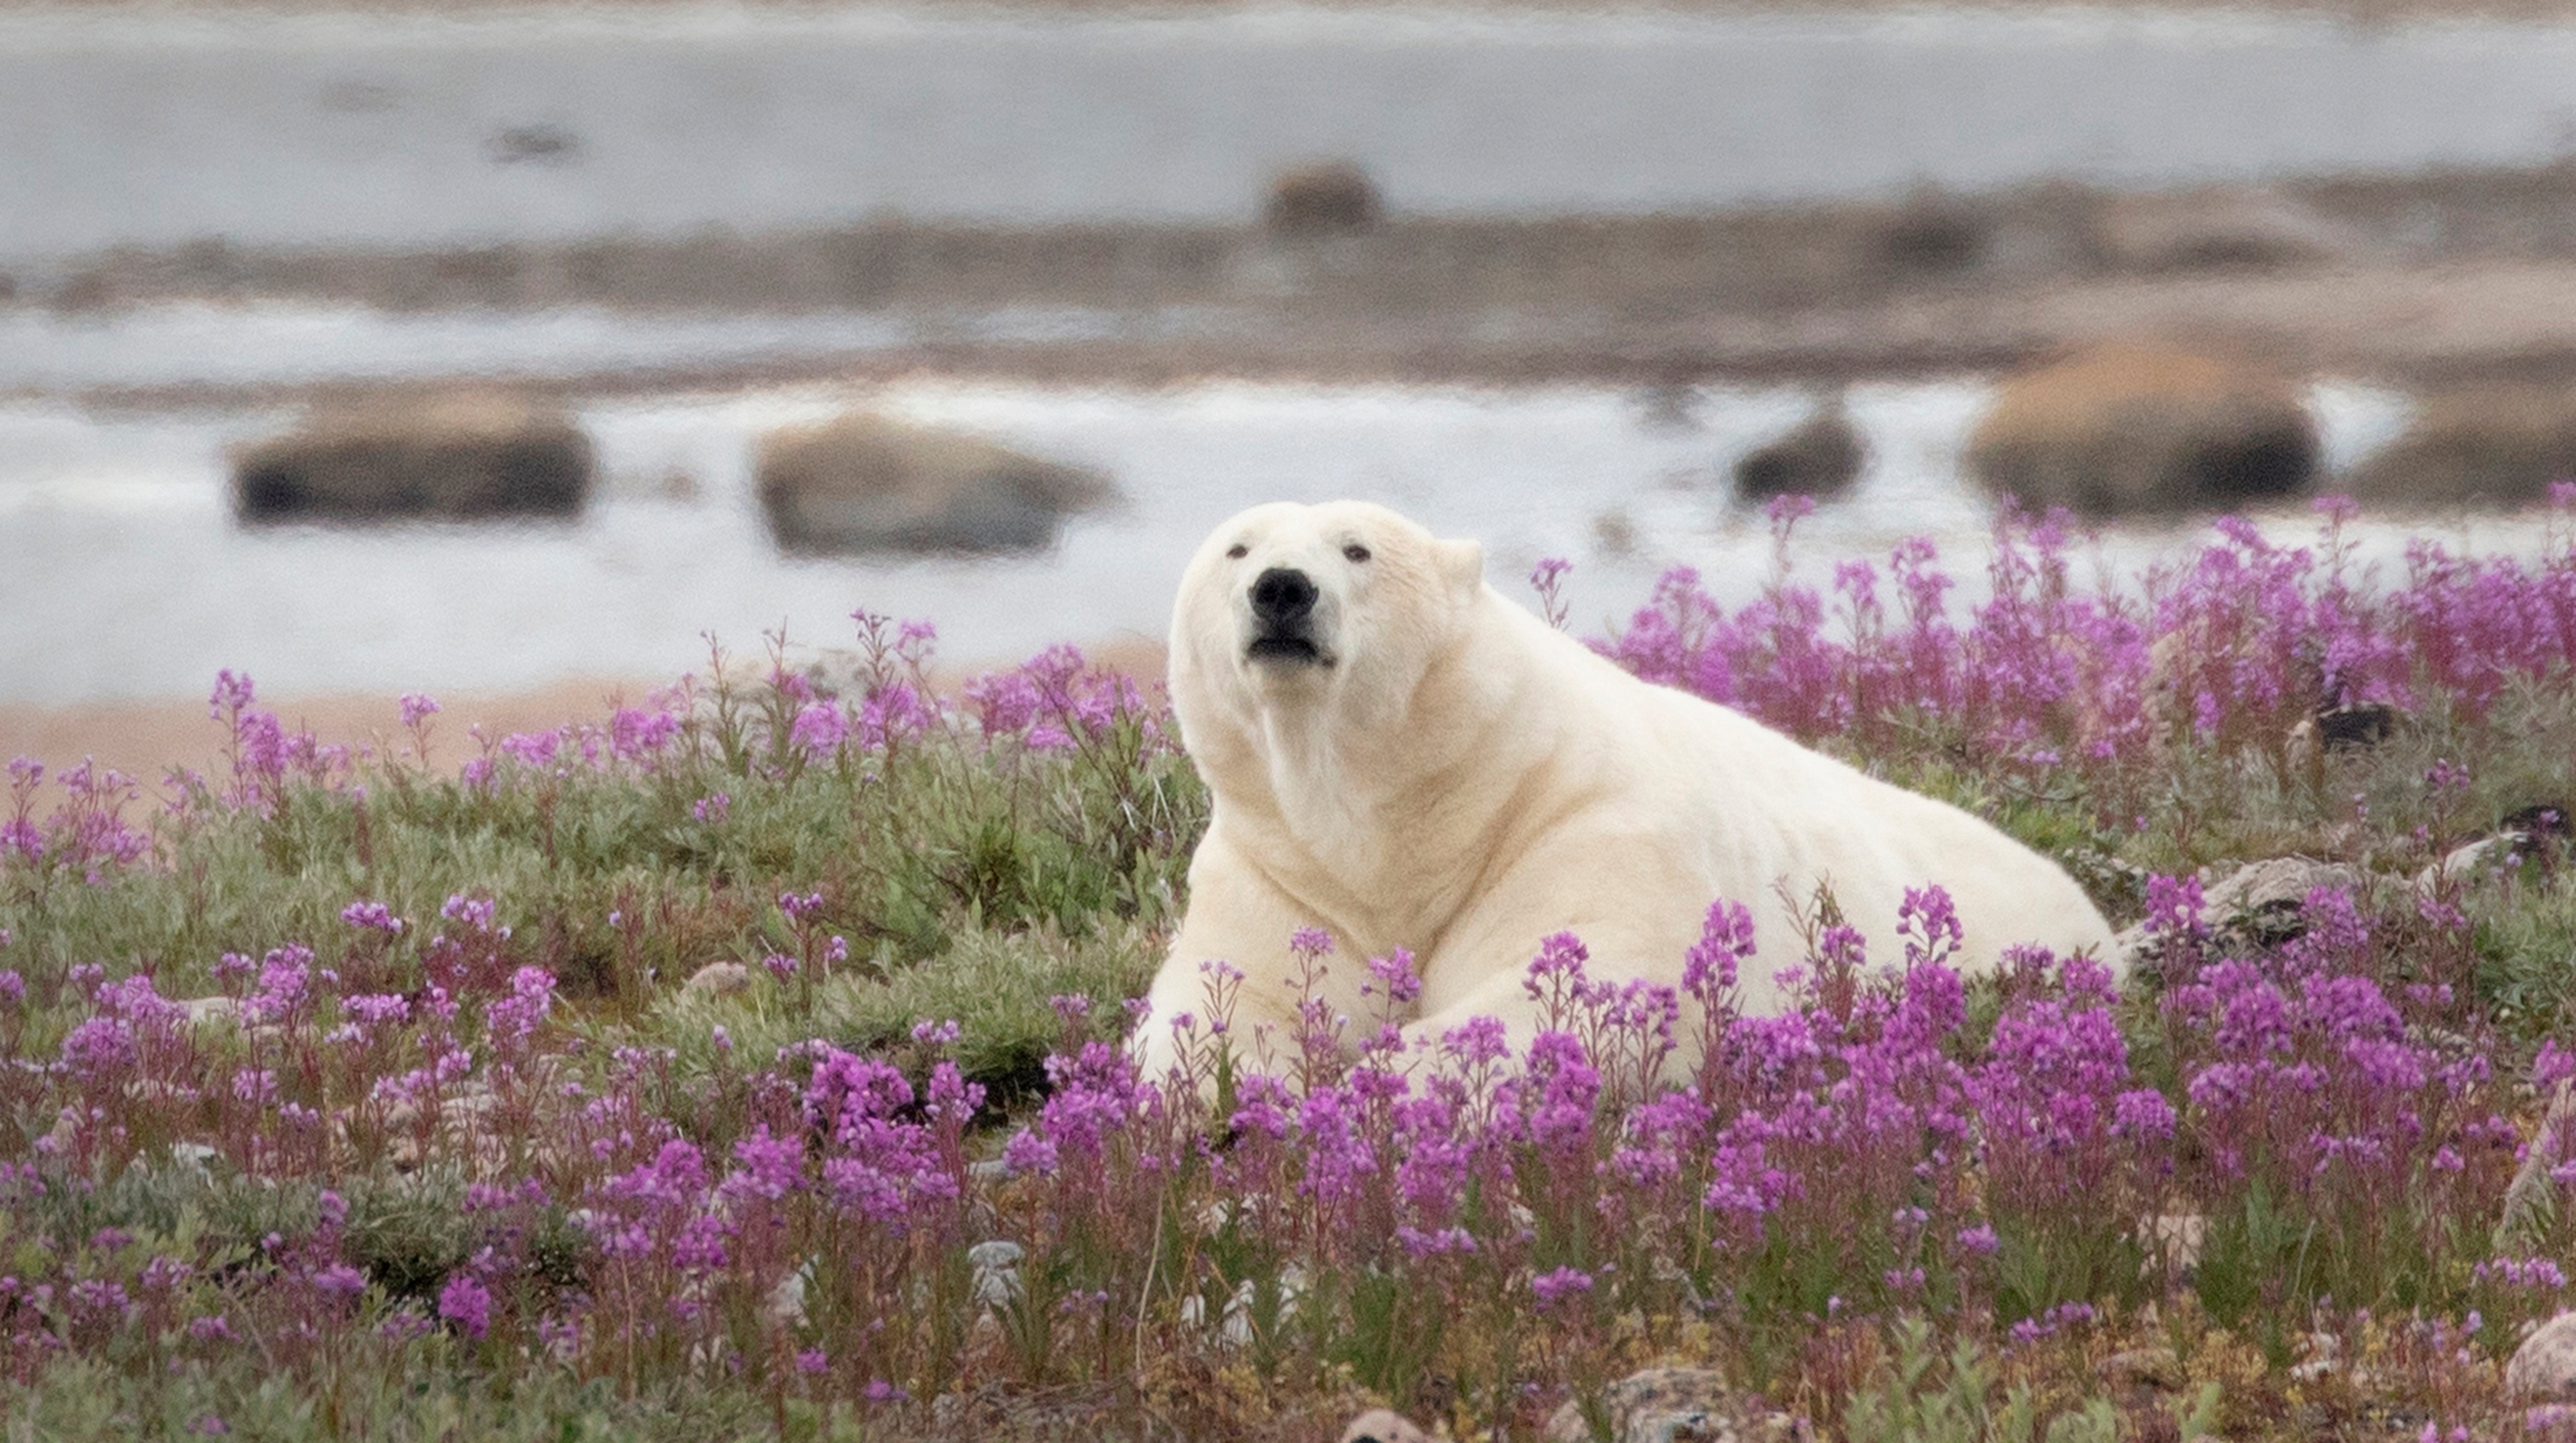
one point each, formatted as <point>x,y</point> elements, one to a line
<point>146,737</point>
<point>2430,278</point>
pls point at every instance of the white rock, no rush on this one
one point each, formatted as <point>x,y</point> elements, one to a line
<point>2543,1369</point>
<point>717,979</point>
<point>997,1273</point>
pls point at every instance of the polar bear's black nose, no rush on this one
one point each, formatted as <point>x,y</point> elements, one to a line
<point>1281,596</point>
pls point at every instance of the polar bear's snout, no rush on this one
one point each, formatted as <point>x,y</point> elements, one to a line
<point>1283,618</point>
<point>1283,597</point>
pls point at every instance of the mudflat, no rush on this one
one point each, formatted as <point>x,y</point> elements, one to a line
<point>2419,278</point>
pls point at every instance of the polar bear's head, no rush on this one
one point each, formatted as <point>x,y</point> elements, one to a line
<point>1287,603</point>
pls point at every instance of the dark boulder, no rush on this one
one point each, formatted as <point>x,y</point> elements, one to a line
<point>2357,727</point>
<point>1322,199</point>
<point>2121,430</point>
<point>1934,233</point>
<point>424,456</point>
<point>1820,456</point>
<point>868,483</point>
<point>2494,444</point>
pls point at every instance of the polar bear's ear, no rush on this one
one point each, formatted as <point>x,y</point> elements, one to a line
<point>1463,564</point>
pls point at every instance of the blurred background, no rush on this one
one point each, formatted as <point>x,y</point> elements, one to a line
<point>517,354</point>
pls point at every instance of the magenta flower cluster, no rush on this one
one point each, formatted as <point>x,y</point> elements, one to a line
<point>2236,645</point>
<point>861,1226</point>
<point>1869,1149</point>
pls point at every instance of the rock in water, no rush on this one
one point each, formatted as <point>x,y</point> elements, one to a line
<point>2119,430</point>
<point>1819,457</point>
<point>396,456</point>
<point>2495,444</point>
<point>868,483</point>
<point>1322,198</point>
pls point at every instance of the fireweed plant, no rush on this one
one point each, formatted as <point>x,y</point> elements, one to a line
<point>748,1065</point>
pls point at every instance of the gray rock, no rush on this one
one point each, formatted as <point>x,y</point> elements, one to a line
<point>211,1011</point>
<point>753,681</point>
<point>786,1305</point>
<point>2465,863</point>
<point>869,483</point>
<point>2257,905</point>
<point>997,1272</point>
<point>1677,1405</point>
<point>2531,1199</point>
<point>2533,831</point>
<point>2266,888</point>
<point>828,671</point>
<point>2155,1368</point>
<point>717,979</point>
<point>2178,1238</point>
<point>2543,1369</point>
<point>2321,1356</point>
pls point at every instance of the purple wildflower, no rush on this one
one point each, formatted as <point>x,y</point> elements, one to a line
<point>467,1304</point>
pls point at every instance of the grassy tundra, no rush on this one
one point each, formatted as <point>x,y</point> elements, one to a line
<point>748,1067</point>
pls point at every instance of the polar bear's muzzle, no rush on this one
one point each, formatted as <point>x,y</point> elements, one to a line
<point>1283,619</point>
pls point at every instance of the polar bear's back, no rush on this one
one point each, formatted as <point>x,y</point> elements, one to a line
<point>1761,814</point>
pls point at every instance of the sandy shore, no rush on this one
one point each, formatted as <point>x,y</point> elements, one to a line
<point>145,739</point>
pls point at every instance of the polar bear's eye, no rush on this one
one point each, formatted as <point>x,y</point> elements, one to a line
<point>1355,552</point>
<point>1238,551</point>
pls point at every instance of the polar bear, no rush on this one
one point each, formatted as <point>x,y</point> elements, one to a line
<point>1399,756</point>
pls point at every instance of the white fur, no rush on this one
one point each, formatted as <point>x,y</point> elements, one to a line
<point>1463,780</point>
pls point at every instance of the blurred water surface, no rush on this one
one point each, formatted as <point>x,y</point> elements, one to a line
<point>139,127</point>
<point>123,575</point>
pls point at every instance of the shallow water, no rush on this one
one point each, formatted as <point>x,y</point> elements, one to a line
<point>122,574</point>
<point>127,127</point>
